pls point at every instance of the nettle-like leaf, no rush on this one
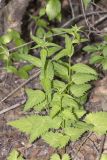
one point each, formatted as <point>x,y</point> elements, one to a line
<point>31,59</point>
<point>36,126</point>
<point>36,98</point>
<point>76,132</point>
<point>104,63</point>
<point>79,90</point>
<point>96,59</point>
<point>53,9</point>
<point>90,48</point>
<point>68,45</point>
<point>61,70</point>
<point>53,50</point>
<point>81,78</point>
<point>55,104</point>
<point>55,157</point>
<point>99,120</point>
<point>69,101</point>
<point>56,139</point>
<point>83,68</point>
<point>59,85</point>
<point>14,155</point>
<point>66,157</point>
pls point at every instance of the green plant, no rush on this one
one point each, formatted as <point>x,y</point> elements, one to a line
<point>14,155</point>
<point>57,157</point>
<point>63,94</point>
<point>98,53</point>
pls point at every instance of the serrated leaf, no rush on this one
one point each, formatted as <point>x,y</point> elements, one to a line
<point>43,55</point>
<point>103,157</point>
<point>66,157</point>
<point>55,157</point>
<point>59,85</point>
<point>96,59</point>
<point>61,70</point>
<point>13,155</point>
<point>69,101</point>
<point>83,68</point>
<point>56,139</point>
<point>55,104</point>
<point>53,50</point>
<point>79,90</point>
<point>81,78</point>
<point>104,63</point>
<point>60,54</point>
<point>66,115</point>
<point>33,60</point>
<point>35,97</point>
<point>99,120</point>
<point>53,8</point>
<point>76,132</point>
<point>90,48</point>
<point>68,45</point>
<point>42,43</point>
<point>35,126</point>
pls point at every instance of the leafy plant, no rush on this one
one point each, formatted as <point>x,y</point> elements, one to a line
<point>98,54</point>
<point>61,82</point>
<point>57,157</point>
<point>63,95</point>
<point>14,155</point>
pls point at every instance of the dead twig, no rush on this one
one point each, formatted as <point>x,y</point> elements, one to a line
<point>83,142</point>
<point>71,7</point>
<point>71,21</point>
<point>12,107</point>
<point>23,84</point>
<point>101,147</point>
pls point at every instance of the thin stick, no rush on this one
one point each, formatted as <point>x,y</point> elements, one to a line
<point>68,23</point>
<point>23,84</point>
<point>101,147</point>
<point>12,107</point>
<point>83,10</point>
<point>71,7</point>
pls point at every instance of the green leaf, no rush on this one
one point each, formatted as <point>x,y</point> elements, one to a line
<point>68,115</point>
<point>99,120</point>
<point>43,55</point>
<point>53,8</point>
<point>76,132</point>
<point>13,155</point>
<point>6,38</point>
<point>60,54</point>
<point>35,97</point>
<point>61,70</point>
<point>66,157</point>
<point>83,68</point>
<point>42,43</point>
<point>56,139</point>
<point>68,45</point>
<point>56,104</point>
<point>55,157</point>
<point>86,3</point>
<point>68,101</point>
<point>96,59</point>
<point>81,78</point>
<point>104,63</point>
<point>53,50</point>
<point>33,60</point>
<point>79,90</point>
<point>59,85</point>
<point>105,51</point>
<point>42,12</point>
<point>90,48</point>
<point>36,126</point>
<point>11,69</point>
<point>103,157</point>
